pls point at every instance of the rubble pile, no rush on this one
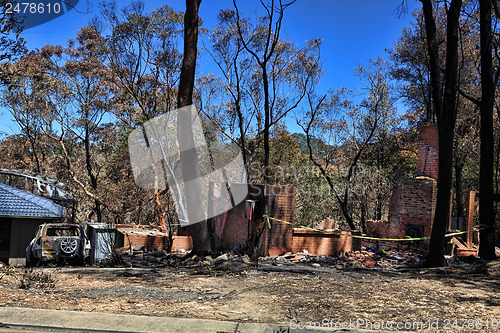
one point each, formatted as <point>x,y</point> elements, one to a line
<point>366,258</point>
<point>162,259</point>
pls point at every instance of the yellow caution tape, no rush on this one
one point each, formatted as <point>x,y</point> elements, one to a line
<point>358,236</point>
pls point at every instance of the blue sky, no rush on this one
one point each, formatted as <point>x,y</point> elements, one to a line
<point>353,32</point>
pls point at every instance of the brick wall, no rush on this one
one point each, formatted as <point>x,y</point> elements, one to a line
<point>182,243</point>
<point>412,207</point>
<point>418,202</point>
<point>324,244</point>
<point>428,151</point>
<point>381,229</point>
<point>152,239</point>
<point>157,243</point>
<point>232,227</point>
<point>150,242</point>
<point>281,205</point>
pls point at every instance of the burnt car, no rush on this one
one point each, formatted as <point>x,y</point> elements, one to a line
<point>60,243</point>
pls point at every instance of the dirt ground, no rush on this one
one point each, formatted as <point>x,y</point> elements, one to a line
<point>277,291</point>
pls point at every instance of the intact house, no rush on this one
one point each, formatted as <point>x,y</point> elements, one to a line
<point>20,215</point>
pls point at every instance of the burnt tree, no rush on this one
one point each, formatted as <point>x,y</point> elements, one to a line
<point>199,231</point>
<point>445,108</point>
<point>486,205</point>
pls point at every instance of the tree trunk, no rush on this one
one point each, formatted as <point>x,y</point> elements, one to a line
<point>199,231</point>
<point>363,215</point>
<point>445,108</point>
<point>486,205</point>
<point>188,69</point>
<point>158,208</point>
<point>90,170</point>
<point>435,256</point>
<point>34,154</point>
<point>266,123</point>
<point>347,214</point>
<point>458,190</point>
<point>380,166</point>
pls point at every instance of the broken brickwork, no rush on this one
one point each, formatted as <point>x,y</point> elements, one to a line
<point>324,244</point>
<point>233,228</point>
<point>281,203</point>
<point>150,238</point>
<point>412,207</point>
<point>413,203</point>
<point>428,151</point>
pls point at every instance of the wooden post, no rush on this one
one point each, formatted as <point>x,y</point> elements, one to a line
<point>470,218</point>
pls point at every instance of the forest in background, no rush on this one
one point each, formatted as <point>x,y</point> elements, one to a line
<point>76,104</point>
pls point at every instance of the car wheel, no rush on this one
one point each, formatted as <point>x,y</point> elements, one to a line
<point>68,245</point>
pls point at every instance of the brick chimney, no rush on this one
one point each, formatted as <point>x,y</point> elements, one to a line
<point>413,203</point>
<point>428,151</point>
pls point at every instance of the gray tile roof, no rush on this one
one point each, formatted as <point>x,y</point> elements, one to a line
<point>17,203</point>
